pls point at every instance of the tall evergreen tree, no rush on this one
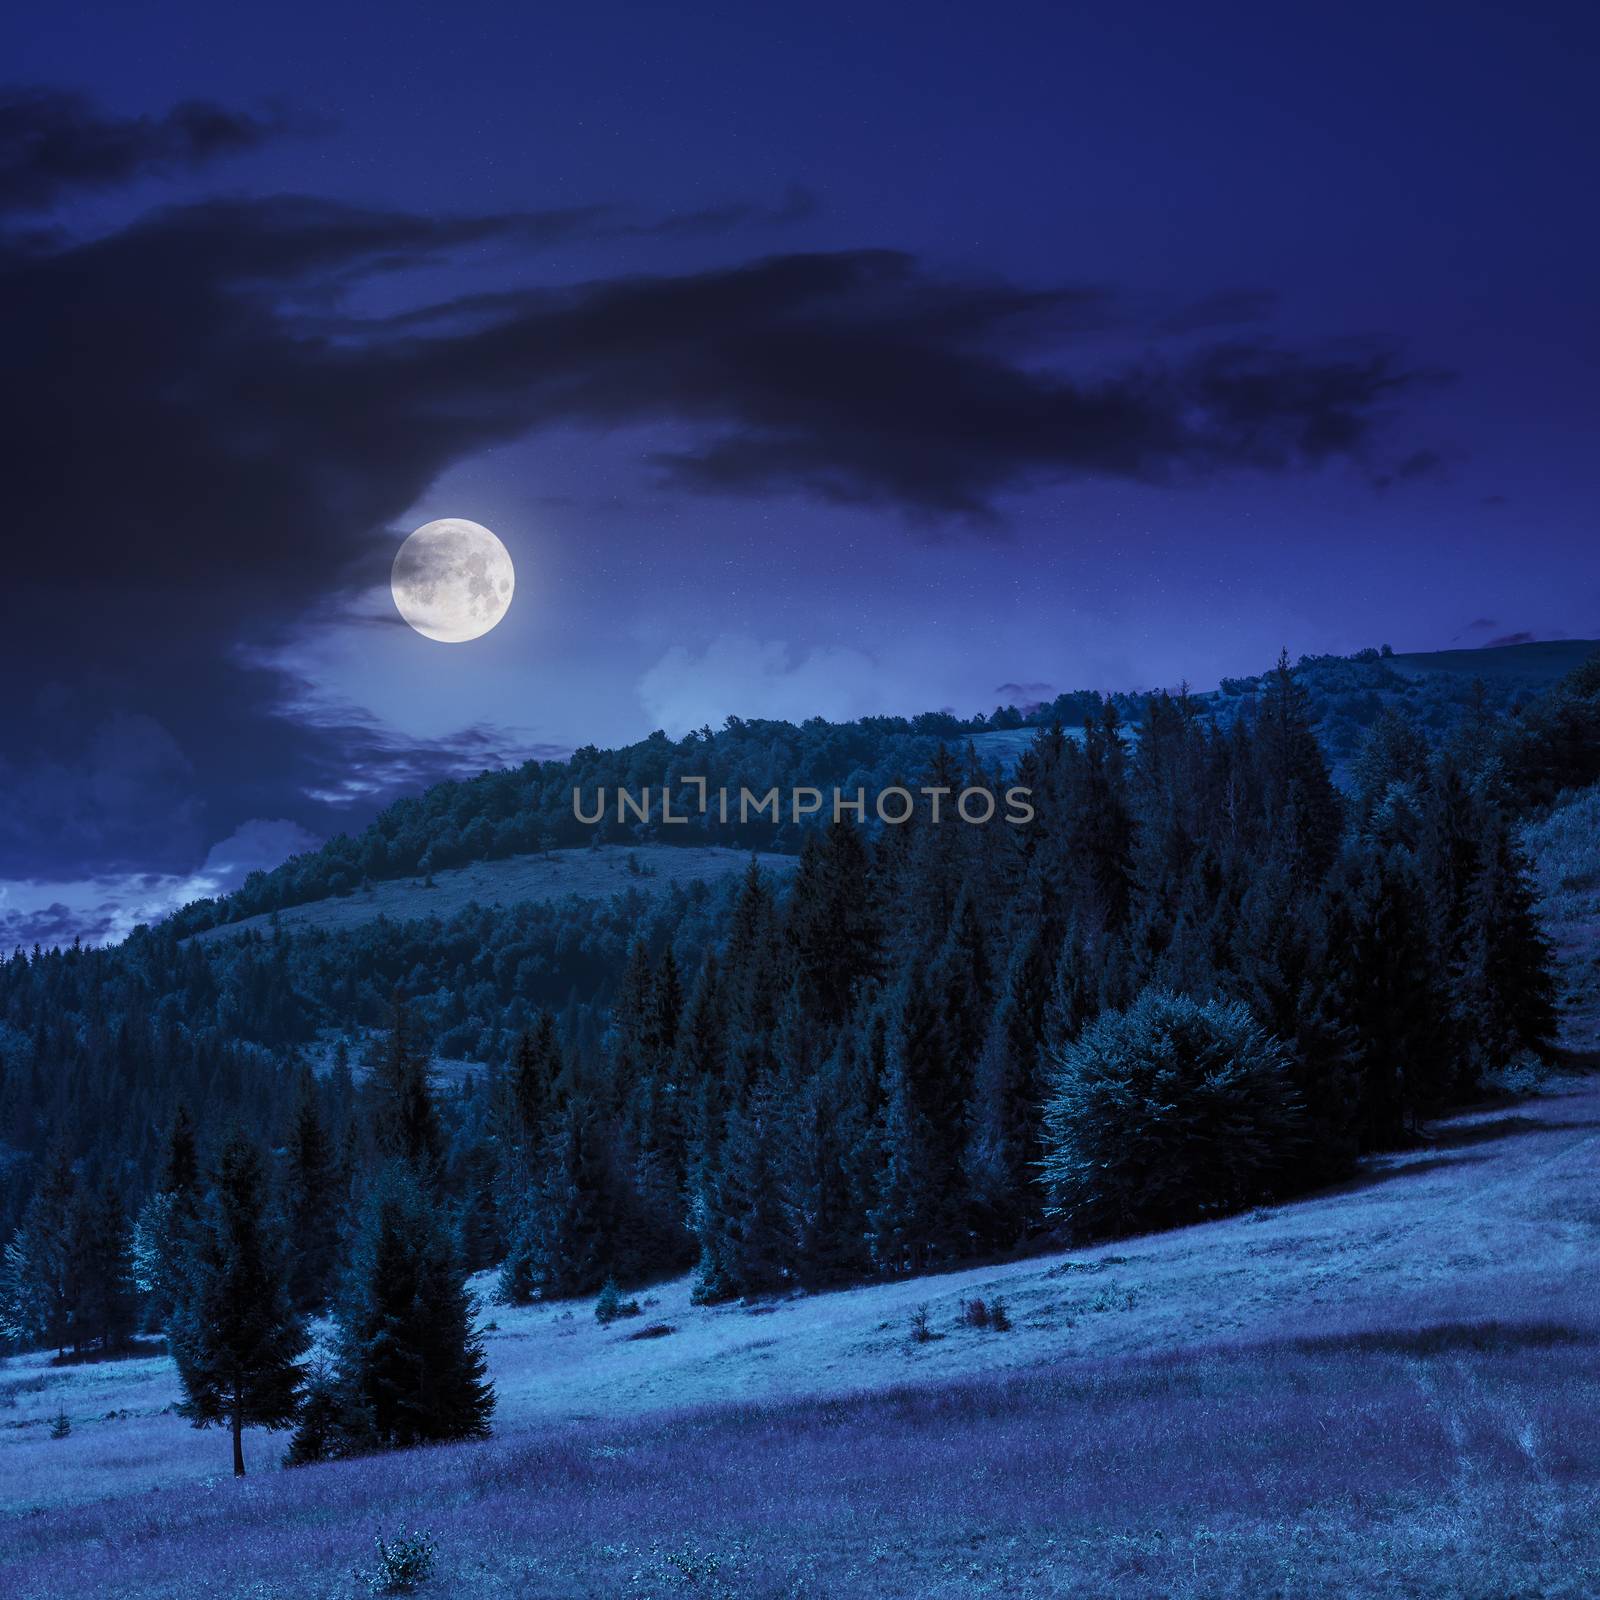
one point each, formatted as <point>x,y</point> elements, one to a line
<point>234,1336</point>
<point>311,1183</point>
<point>411,1367</point>
<point>405,1117</point>
<point>102,1289</point>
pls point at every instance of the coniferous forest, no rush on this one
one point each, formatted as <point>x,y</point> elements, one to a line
<point>1203,977</point>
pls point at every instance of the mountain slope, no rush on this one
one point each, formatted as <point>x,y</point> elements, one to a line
<point>1252,1403</point>
<point>591,873</point>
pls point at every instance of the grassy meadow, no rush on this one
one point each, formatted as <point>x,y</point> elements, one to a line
<point>1391,1388</point>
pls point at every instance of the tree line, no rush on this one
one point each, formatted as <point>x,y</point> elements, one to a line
<point>935,1042</point>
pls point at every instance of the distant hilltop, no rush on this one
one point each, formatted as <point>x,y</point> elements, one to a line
<point>527,811</point>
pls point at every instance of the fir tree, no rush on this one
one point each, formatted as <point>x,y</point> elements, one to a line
<point>1505,991</point>
<point>405,1118</point>
<point>311,1182</point>
<point>103,1310</point>
<point>411,1367</point>
<point>234,1336</point>
<point>830,920</point>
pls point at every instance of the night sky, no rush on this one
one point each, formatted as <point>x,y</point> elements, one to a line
<point>809,360</point>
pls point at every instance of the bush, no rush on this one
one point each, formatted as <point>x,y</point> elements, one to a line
<point>990,1315</point>
<point>1164,1113</point>
<point>610,1307</point>
<point>403,1563</point>
<point>61,1426</point>
<point>921,1329</point>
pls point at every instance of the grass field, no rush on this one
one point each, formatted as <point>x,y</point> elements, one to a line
<point>588,874</point>
<point>1540,663</point>
<point>1392,1388</point>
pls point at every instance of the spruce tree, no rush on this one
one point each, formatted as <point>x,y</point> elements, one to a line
<point>411,1367</point>
<point>234,1336</point>
<point>38,1281</point>
<point>920,1217</point>
<point>1505,989</point>
<point>831,922</point>
<point>405,1118</point>
<point>311,1182</point>
<point>103,1310</point>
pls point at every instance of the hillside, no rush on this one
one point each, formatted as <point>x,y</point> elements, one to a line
<point>590,873</point>
<point>510,814</point>
<point>1418,1347</point>
<point>1537,664</point>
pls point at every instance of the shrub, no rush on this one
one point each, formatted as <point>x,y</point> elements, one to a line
<point>610,1307</point>
<point>60,1427</point>
<point>990,1315</point>
<point>1164,1113</point>
<point>921,1329</point>
<point>403,1563</point>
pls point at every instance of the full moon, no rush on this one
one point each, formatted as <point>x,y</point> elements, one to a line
<point>452,580</point>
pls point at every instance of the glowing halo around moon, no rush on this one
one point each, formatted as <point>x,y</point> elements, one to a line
<point>452,580</point>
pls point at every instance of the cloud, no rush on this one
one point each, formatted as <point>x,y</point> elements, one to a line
<point>1225,309</point>
<point>757,679</point>
<point>206,445</point>
<point>1418,464</point>
<point>1025,695</point>
<point>53,143</point>
<point>1520,637</point>
<point>799,204</point>
<point>107,907</point>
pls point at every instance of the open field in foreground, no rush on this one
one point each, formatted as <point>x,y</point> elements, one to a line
<point>1389,1389</point>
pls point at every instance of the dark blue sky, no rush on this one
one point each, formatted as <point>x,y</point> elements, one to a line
<point>814,360</point>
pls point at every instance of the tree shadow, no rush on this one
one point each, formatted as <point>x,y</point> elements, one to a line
<point>1372,1177</point>
<point>133,1350</point>
<point>1443,1338</point>
<point>1456,1136</point>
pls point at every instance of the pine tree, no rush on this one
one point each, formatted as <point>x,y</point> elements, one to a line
<point>1505,990</point>
<point>572,1223</point>
<point>830,920</point>
<point>234,1336</point>
<point>103,1311</point>
<point>180,1174</point>
<point>411,1367</point>
<point>1004,1148</point>
<point>311,1181</point>
<point>522,1121</point>
<point>920,1216</point>
<point>1302,805</point>
<point>738,1217</point>
<point>405,1118</point>
<point>37,1286</point>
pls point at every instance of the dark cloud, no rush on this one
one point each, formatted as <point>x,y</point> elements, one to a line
<point>1520,637</point>
<point>1227,308</point>
<point>799,204</point>
<point>1419,464</point>
<point>1481,624</point>
<point>53,143</point>
<point>203,445</point>
<point>52,925</point>
<point>1016,693</point>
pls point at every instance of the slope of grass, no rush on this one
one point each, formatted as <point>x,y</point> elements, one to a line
<point>1392,1388</point>
<point>1538,664</point>
<point>588,874</point>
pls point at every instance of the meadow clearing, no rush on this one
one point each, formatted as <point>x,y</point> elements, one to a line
<point>1389,1388</point>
